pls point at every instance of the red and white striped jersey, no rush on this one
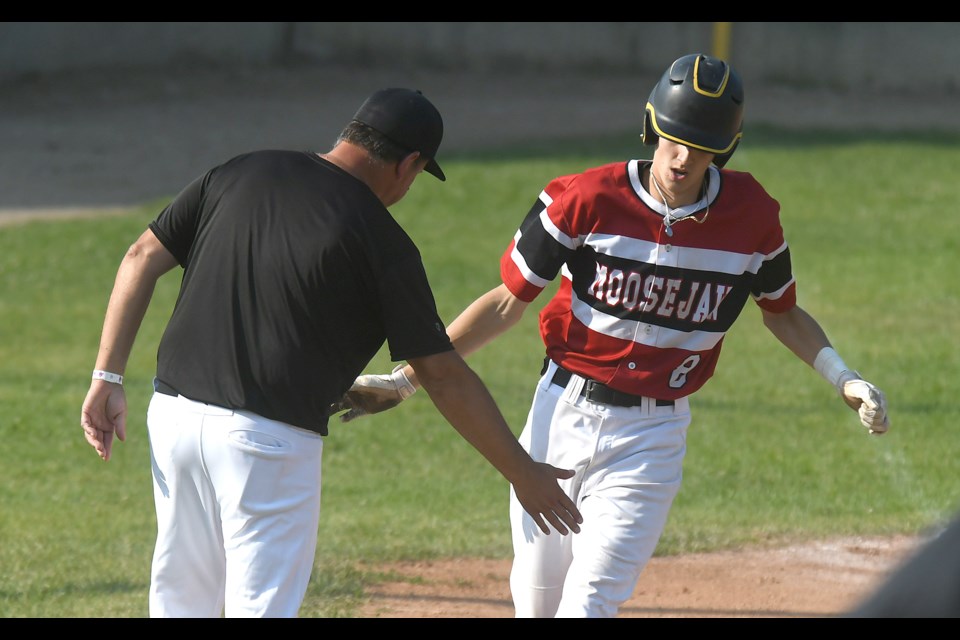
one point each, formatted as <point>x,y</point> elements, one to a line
<point>643,307</point>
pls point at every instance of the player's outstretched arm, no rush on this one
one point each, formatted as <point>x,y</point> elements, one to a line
<point>484,319</point>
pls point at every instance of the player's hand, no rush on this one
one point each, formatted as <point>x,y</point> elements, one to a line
<point>867,400</point>
<point>373,394</point>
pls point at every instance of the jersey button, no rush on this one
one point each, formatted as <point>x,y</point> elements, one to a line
<point>668,247</point>
<point>631,365</point>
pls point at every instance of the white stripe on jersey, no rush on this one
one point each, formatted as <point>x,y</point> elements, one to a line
<point>522,267</point>
<point>645,251</point>
<point>551,228</point>
<point>623,247</point>
<point>776,294</point>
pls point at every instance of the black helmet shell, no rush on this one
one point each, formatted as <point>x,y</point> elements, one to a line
<point>698,102</point>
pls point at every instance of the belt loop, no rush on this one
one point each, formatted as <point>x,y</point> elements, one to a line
<point>574,388</point>
<point>548,371</point>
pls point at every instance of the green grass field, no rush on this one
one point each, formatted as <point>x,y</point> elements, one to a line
<point>773,454</point>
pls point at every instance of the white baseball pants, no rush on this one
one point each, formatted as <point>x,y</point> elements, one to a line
<point>238,503</point>
<point>629,463</point>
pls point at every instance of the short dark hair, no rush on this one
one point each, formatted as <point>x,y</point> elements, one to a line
<point>378,145</point>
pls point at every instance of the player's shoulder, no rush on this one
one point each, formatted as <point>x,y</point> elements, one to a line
<point>741,178</point>
<point>593,175</point>
<point>606,171</point>
<point>744,184</point>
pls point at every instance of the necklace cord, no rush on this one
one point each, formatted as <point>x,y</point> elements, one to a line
<point>668,218</point>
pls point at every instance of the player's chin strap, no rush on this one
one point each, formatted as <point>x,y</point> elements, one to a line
<point>852,387</point>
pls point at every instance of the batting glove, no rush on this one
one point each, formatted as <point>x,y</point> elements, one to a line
<point>373,394</point>
<point>869,401</point>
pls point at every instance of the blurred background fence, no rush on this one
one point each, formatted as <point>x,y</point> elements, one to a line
<point>843,56</point>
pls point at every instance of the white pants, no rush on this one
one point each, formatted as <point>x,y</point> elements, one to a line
<point>238,504</point>
<point>629,463</point>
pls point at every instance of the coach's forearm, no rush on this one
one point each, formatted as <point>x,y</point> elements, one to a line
<point>145,261</point>
<point>471,410</point>
<point>466,403</point>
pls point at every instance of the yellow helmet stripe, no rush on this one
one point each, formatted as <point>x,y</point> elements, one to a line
<point>687,143</point>
<point>696,81</point>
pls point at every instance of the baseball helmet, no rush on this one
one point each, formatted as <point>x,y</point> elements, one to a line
<point>698,102</point>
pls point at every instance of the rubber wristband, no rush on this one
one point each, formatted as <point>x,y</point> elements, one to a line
<point>106,376</point>
<point>404,387</point>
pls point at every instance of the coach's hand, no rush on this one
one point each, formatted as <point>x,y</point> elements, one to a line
<point>103,416</point>
<point>867,400</point>
<point>554,507</point>
<point>373,394</point>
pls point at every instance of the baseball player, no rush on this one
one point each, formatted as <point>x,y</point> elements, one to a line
<point>294,275</point>
<point>656,259</point>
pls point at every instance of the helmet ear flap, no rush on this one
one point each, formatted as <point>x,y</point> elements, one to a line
<point>722,159</point>
<point>648,136</point>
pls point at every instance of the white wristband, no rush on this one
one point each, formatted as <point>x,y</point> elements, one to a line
<point>404,386</point>
<point>831,366</point>
<point>115,378</point>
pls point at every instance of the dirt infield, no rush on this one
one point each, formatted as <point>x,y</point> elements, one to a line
<point>105,142</point>
<point>815,580</point>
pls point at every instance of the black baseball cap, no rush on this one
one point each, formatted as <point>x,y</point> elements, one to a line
<point>406,117</point>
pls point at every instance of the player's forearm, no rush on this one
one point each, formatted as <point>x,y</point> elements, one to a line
<point>798,331</point>
<point>480,323</point>
<point>487,317</point>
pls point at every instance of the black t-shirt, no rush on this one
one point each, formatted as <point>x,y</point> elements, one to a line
<point>294,276</point>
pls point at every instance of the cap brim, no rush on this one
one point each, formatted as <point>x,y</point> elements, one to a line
<point>434,169</point>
